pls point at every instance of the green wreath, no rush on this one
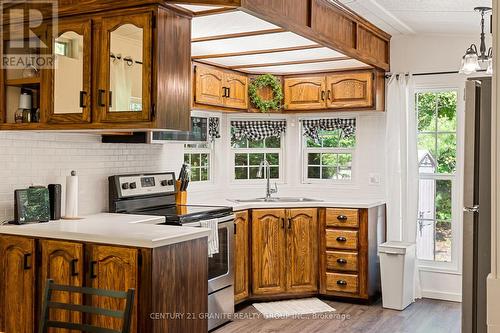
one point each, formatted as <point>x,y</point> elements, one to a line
<point>266,80</point>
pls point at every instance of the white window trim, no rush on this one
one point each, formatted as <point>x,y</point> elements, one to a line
<point>232,151</point>
<point>432,84</point>
<point>304,150</point>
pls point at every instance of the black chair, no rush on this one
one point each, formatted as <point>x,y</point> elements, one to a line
<point>48,304</point>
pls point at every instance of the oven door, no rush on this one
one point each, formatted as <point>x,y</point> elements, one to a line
<point>220,265</point>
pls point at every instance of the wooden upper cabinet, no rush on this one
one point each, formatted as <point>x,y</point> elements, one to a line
<point>350,90</point>
<point>241,256</point>
<point>71,77</point>
<point>209,86</point>
<point>303,93</point>
<point>63,263</point>
<point>236,91</point>
<point>113,268</point>
<point>268,251</point>
<point>302,250</point>
<point>124,61</point>
<point>17,284</point>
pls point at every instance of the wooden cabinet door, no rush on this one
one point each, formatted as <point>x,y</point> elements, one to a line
<point>241,284</point>
<point>17,284</point>
<point>113,268</point>
<point>304,93</point>
<point>125,77</point>
<point>268,251</point>
<point>350,90</point>
<point>236,91</point>
<point>209,86</point>
<point>70,102</point>
<point>302,250</point>
<point>63,263</point>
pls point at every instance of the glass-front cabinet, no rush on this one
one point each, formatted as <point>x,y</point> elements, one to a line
<point>71,81</point>
<point>124,80</point>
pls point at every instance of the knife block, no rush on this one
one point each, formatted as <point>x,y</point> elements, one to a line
<point>180,196</point>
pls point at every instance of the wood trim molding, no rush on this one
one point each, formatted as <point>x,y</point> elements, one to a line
<point>253,52</point>
<point>214,11</point>
<point>238,35</point>
<point>284,63</point>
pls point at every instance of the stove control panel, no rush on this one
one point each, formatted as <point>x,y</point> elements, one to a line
<point>145,184</point>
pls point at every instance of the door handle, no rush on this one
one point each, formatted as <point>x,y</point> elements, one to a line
<point>228,92</point>
<point>342,218</point>
<point>283,223</point>
<point>26,259</point>
<point>93,274</point>
<point>473,209</point>
<point>74,272</point>
<point>83,94</point>
<point>341,239</point>
<point>289,223</point>
<point>341,261</point>
<point>322,95</point>
<point>110,98</point>
<point>224,92</point>
<point>235,225</point>
<point>100,97</point>
<point>328,95</point>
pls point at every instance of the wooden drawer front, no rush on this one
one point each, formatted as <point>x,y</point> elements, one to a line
<point>347,283</point>
<point>342,218</point>
<point>342,239</point>
<point>341,261</point>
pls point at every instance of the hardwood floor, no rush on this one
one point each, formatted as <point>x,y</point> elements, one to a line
<point>424,316</point>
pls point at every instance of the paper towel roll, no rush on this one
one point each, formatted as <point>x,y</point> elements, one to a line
<point>71,196</point>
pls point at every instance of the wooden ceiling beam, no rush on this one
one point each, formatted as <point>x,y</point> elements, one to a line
<point>284,63</point>
<point>215,11</point>
<point>253,52</point>
<point>238,35</point>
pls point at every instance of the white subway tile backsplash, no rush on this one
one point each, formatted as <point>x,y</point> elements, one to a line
<point>42,158</point>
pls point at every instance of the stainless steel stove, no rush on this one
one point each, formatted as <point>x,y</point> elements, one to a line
<point>154,194</point>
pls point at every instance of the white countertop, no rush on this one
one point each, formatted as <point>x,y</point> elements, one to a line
<point>115,229</point>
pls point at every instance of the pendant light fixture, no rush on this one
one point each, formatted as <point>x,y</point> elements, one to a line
<point>473,60</point>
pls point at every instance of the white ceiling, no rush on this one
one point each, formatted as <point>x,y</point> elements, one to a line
<point>421,16</point>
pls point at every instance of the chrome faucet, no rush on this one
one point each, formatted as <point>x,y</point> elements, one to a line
<point>264,165</point>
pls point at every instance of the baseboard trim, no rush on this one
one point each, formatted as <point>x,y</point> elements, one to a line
<point>441,295</point>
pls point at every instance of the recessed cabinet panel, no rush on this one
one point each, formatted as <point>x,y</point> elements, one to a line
<point>209,86</point>
<point>350,90</point>
<point>236,91</point>
<point>305,93</point>
<point>71,75</point>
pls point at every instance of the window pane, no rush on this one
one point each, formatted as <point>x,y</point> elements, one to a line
<point>204,160</point>
<point>273,142</point>
<point>426,106</point>
<point>313,144</point>
<point>329,159</point>
<point>427,143</point>
<point>331,140</point>
<point>329,173</point>
<point>344,160</point>
<point>253,173</point>
<point>447,151</point>
<point>313,172</point>
<point>344,173</point>
<point>347,141</point>
<point>443,241</point>
<point>426,199</point>
<point>195,174</point>
<point>186,158</point>
<point>195,160</point>
<point>447,111</point>
<point>241,159</point>
<point>273,159</point>
<point>241,173</point>
<point>204,174</point>
<point>314,158</point>
<point>275,172</point>
<point>443,199</point>
<point>256,144</point>
<point>255,159</point>
<point>242,143</point>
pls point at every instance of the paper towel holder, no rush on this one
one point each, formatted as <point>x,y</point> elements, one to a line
<point>74,207</point>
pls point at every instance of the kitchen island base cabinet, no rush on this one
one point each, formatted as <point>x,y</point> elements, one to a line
<point>241,255</point>
<point>17,284</point>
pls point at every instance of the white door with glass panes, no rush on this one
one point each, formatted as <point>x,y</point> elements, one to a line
<point>438,216</point>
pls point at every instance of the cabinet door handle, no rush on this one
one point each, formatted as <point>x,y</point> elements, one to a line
<point>322,95</point>
<point>289,223</point>
<point>342,282</point>
<point>235,225</point>
<point>328,95</point>
<point>93,274</point>
<point>224,92</point>
<point>83,94</point>
<point>74,272</point>
<point>283,223</point>
<point>341,239</point>
<point>228,92</point>
<point>341,261</point>
<point>342,218</point>
<point>110,100</point>
<point>26,261</point>
<point>100,97</point>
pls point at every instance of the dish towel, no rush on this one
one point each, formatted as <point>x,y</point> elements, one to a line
<point>213,237</point>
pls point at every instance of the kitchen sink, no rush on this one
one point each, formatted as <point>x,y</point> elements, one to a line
<point>276,199</point>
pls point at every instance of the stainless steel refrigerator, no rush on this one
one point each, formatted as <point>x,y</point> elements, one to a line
<point>477,205</point>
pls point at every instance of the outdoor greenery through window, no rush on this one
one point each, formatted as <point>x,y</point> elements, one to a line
<point>437,158</point>
<point>198,157</point>
<point>248,154</point>
<point>331,157</point>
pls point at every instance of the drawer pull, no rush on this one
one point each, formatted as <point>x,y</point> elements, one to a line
<point>74,271</point>
<point>342,282</point>
<point>342,261</point>
<point>342,218</point>
<point>341,239</point>
<point>26,259</point>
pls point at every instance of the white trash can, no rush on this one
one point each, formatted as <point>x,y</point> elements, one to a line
<point>397,265</point>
